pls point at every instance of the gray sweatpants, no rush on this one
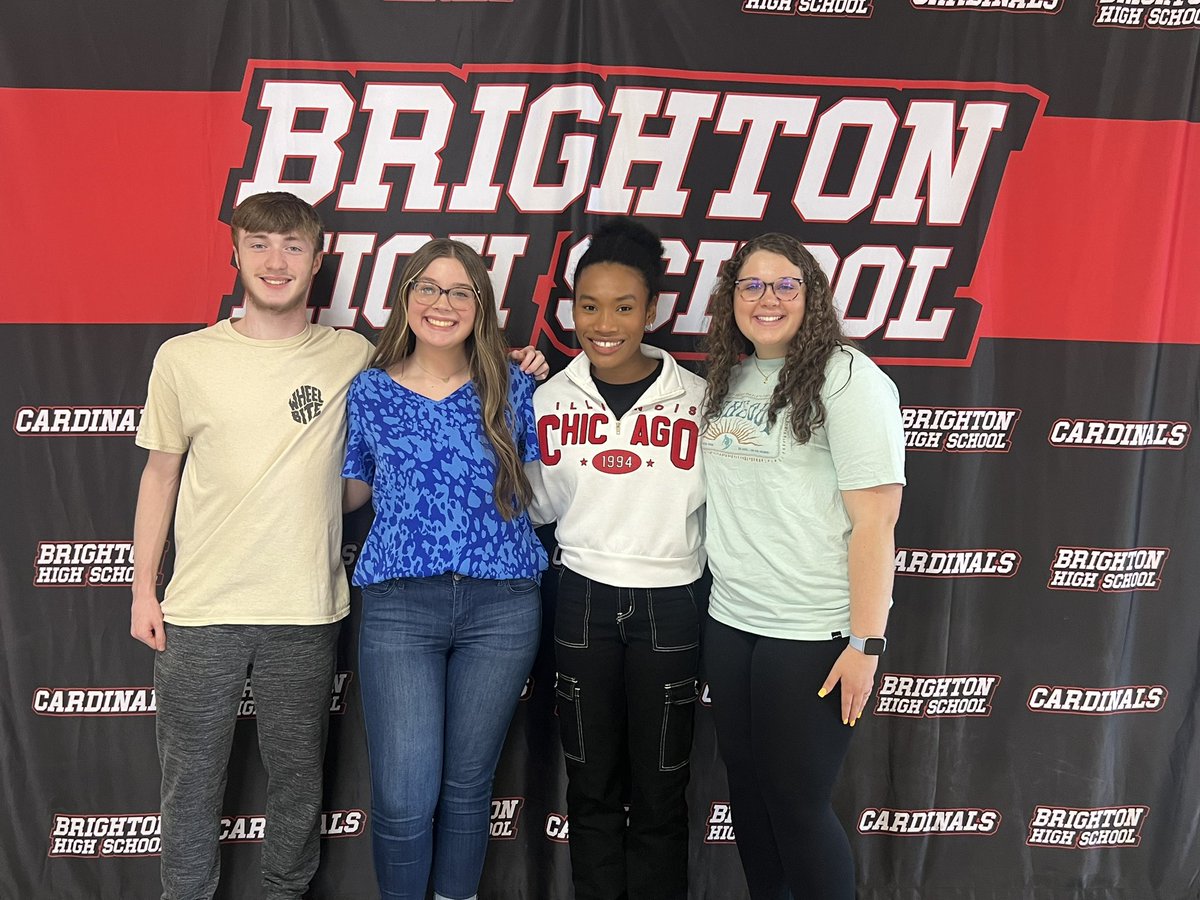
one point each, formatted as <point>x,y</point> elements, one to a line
<point>199,681</point>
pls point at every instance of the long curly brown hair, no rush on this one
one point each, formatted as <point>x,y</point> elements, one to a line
<point>803,372</point>
<point>487,352</point>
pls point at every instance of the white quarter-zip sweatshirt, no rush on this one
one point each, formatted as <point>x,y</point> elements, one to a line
<point>628,493</point>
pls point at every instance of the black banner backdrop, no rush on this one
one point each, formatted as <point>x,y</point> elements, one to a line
<point>1003,193</point>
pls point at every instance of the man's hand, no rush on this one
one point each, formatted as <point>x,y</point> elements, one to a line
<point>146,623</point>
<point>157,493</point>
<point>532,362</point>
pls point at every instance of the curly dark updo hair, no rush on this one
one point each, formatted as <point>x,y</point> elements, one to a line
<point>631,244</point>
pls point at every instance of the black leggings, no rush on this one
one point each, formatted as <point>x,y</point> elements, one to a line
<point>782,747</point>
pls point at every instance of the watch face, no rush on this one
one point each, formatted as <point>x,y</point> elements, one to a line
<point>874,646</point>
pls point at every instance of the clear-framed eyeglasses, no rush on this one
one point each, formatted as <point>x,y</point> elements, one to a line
<point>786,289</point>
<point>427,292</point>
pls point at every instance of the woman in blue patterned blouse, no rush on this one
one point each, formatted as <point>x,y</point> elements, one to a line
<point>440,425</point>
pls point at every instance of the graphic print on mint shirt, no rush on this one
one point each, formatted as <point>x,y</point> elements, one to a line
<point>741,429</point>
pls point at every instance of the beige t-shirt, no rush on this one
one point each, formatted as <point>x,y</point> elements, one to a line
<point>258,524</point>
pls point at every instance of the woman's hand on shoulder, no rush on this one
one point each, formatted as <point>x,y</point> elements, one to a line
<point>532,362</point>
<point>856,672</point>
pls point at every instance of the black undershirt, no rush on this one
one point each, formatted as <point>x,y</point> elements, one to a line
<point>620,398</point>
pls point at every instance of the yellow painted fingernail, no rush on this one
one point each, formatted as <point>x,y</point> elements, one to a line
<point>821,692</point>
<point>845,721</point>
<point>852,721</point>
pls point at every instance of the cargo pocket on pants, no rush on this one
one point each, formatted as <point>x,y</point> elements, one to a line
<point>570,721</point>
<point>679,707</point>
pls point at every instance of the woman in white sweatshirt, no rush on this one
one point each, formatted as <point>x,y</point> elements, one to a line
<point>621,473</point>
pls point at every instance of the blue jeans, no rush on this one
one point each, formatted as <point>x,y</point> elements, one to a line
<point>442,662</point>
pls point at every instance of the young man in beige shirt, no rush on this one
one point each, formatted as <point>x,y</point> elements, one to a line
<point>245,424</point>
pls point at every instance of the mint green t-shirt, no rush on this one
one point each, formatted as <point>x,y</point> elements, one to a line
<point>778,531</point>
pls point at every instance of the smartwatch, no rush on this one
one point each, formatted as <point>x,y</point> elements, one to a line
<point>869,646</point>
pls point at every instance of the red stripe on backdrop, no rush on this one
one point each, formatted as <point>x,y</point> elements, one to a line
<point>110,201</point>
<point>1091,236</point>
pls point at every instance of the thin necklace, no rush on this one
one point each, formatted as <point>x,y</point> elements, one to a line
<point>764,375</point>
<point>437,377</point>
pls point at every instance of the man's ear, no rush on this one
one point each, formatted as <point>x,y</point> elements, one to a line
<point>318,258</point>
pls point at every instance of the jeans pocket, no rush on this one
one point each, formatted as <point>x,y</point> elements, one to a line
<point>380,588</point>
<point>570,719</point>
<point>679,707</point>
<point>521,586</point>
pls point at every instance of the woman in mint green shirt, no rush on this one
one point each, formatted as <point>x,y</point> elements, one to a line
<point>804,457</point>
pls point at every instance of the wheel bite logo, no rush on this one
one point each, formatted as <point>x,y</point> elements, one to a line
<point>1113,571</point>
<point>66,421</point>
<point>718,827</point>
<point>84,564</point>
<point>1045,698</point>
<point>842,9</point>
<point>1110,435</point>
<point>305,403</point>
<point>1168,14</point>
<point>1014,6</point>
<point>905,822</point>
<point>1081,829</point>
<point>505,813</point>
<point>506,159</point>
<point>935,696</point>
<point>141,835</point>
<point>957,563</point>
<point>958,429</point>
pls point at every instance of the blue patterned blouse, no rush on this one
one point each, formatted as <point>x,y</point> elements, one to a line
<point>431,469</point>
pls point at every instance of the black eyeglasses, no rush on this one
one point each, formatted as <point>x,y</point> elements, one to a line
<point>427,293</point>
<point>786,289</point>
